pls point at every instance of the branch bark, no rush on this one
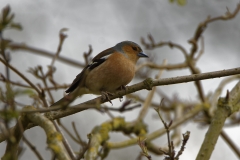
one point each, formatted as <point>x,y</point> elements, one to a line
<point>147,84</point>
<point>54,138</point>
<point>226,107</point>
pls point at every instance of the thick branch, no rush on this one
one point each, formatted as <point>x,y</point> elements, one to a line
<point>100,134</point>
<point>14,139</point>
<point>226,107</point>
<point>54,139</point>
<point>157,133</point>
<point>146,84</point>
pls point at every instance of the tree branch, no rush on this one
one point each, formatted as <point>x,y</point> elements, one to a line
<point>147,84</point>
<point>157,133</point>
<point>54,139</point>
<point>226,107</point>
<point>68,61</point>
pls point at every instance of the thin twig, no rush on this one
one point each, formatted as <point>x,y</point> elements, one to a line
<point>202,26</point>
<point>167,67</point>
<point>16,46</point>
<point>184,142</point>
<point>157,133</point>
<point>201,50</point>
<point>3,79</point>
<point>178,112</point>
<point>153,104</point>
<point>32,147</point>
<point>43,78</point>
<point>126,106</point>
<point>62,37</point>
<point>153,45</point>
<point>21,75</point>
<point>86,55</point>
<point>230,143</point>
<point>69,133</point>
<point>142,145</point>
<point>77,134</point>
<point>65,142</point>
<point>171,151</point>
<point>149,97</point>
<point>64,86</point>
<point>109,114</point>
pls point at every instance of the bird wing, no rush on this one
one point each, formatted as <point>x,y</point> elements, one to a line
<point>96,61</point>
<point>104,54</point>
<point>76,82</point>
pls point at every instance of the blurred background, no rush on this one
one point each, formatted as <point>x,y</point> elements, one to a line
<point>103,24</point>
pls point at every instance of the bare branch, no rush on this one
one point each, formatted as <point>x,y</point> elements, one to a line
<point>147,84</point>
<point>65,142</point>
<point>86,55</point>
<point>226,107</point>
<point>157,133</point>
<point>3,79</point>
<point>153,45</point>
<point>184,142</point>
<point>21,75</point>
<point>203,25</point>
<point>68,132</point>
<point>62,37</point>
<point>230,143</point>
<point>149,97</point>
<point>167,67</point>
<point>71,62</point>
<point>142,145</point>
<point>32,147</point>
<point>54,139</point>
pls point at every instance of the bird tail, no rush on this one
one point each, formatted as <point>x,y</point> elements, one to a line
<point>60,102</point>
<point>66,100</point>
<point>76,89</point>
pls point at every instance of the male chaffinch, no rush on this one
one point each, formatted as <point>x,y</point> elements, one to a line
<point>110,70</point>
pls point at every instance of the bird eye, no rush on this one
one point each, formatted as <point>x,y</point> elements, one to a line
<point>134,48</point>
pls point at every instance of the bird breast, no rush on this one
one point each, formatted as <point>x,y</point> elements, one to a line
<point>115,72</point>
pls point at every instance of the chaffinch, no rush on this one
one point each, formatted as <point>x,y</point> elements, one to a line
<point>110,70</point>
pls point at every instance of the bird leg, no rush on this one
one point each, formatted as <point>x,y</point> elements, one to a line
<point>105,96</point>
<point>122,88</point>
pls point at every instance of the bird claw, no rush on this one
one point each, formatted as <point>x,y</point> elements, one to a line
<point>120,99</point>
<point>105,96</point>
<point>122,88</point>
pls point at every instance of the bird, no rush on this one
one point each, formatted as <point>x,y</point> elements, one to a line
<point>109,71</point>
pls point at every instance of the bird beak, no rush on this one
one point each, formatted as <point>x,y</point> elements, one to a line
<point>142,55</point>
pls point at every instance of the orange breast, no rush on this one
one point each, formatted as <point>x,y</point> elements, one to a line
<point>116,71</point>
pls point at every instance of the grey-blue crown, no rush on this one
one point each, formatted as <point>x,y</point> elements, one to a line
<point>119,46</point>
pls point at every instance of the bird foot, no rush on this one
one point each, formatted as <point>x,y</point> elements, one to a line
<point>122,88</point>
<point>105,96</point>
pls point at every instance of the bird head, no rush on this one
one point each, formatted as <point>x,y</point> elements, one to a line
<point>131,50</point>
